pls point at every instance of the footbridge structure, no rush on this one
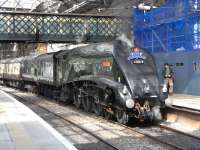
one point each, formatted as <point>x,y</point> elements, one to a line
<point>42,27</point>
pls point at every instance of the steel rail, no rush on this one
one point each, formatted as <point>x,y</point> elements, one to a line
<point>180,132</point>
<point>111,121</point>
<point>63,118</point>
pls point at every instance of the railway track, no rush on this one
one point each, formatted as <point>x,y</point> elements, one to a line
<point>180,140</point>
<point>159,135</point>
<point>178,131</point>
<point>101,143</point>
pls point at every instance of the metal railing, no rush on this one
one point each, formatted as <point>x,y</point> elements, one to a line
<point>41,27</point>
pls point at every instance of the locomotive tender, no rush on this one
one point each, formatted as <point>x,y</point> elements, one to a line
<point>110,79</point>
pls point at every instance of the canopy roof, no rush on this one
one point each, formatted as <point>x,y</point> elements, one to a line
<point>20,4</point>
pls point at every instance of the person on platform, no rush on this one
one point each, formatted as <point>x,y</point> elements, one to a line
<point>168,77</point>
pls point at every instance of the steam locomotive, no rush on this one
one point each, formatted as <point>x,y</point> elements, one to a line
<point>110,79</point>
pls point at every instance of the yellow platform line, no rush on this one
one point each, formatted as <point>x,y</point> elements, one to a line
<point>186,101</point>
<point>21,139</point>
<point>2,109</point>
<point>186,98</point>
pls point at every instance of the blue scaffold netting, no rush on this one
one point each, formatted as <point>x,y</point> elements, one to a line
<point>175,26</point>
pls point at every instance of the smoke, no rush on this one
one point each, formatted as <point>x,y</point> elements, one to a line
<point>125,40</point>
<point>125,9</point>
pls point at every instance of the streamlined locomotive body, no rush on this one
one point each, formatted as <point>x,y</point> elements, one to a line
<point>109,79</point>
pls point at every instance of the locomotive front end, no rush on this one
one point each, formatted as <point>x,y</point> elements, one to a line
<point>141,92</point>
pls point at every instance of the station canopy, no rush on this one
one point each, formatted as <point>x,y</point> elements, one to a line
<point>19,4</point>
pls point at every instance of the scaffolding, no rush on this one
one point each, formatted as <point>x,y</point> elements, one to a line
<point>175,26</point>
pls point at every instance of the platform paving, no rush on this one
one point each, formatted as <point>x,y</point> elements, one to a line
<point>186,101</point>
<point>22,129</point>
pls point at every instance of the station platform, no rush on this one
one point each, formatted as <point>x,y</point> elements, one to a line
<point>22,129</point>
<point>184,101</point>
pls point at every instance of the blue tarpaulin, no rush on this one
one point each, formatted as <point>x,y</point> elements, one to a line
<point>175,26</point>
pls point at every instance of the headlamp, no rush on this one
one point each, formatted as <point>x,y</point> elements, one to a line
<point>130,103</point>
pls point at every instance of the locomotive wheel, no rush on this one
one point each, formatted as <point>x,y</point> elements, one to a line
<point>64,97</point>
<point>77,100</point>
<point>107,115</point>
<point>87,104</point>
<point>97,108</point>
<point>122,117</point>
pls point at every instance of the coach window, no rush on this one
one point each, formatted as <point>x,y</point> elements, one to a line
<point>11,68</point>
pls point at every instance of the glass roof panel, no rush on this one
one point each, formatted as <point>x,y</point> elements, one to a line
<point>24,4</point>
